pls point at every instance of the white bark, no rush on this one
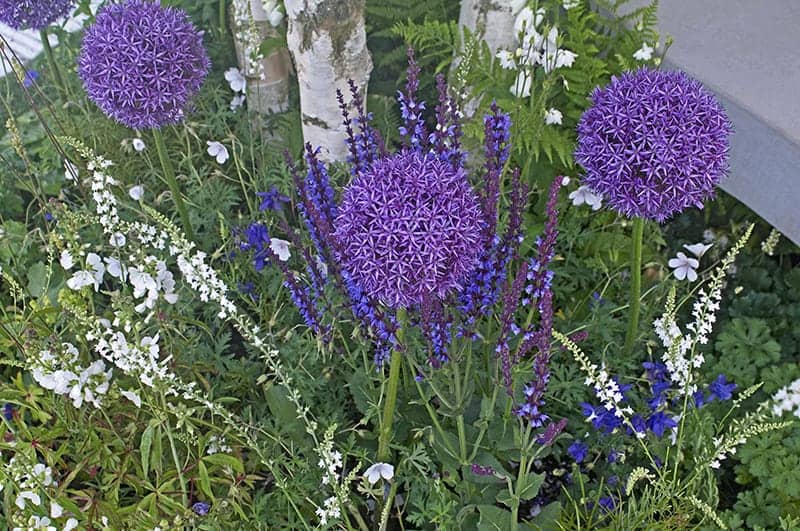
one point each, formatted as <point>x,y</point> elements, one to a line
<point>328,43</point>
<point>492,19</point>
<point>267,77</point>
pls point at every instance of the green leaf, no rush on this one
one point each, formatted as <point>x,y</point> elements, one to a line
<point>493,518</point>
<point>225,460</point>
<point>37,279</point>
<point>144,447</point>
<point>530,488</point>
<point>205,481</point>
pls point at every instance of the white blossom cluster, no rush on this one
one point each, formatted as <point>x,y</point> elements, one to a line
<point>331,462</point>
<point>31,483</point>
<point>331,509</point>
<point>217,445</point>
<point>598,378</point>
<point>534,49</point>
<point>248,34</point>
<point>62,373</point>
<point>787,399</point>
<point>681,355</point>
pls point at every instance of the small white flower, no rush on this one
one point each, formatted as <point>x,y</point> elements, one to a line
<point>565,180</point>
<point>66,260</point>
<point>584,195</point>
<point>117,240</point>
<point>70,171</point>
<point>565,58</point>
<point>552,116</point>
<point>685,267</point>
<point>133,397</point>
<point>506,59</point>
<point>56,510</point>
<point>237,101</point>
<point>275,17</point>
<point>235,79</point>
<point>138,144</point>
<point>71,524</point>
<point>80,279</point>
<point>27,495</point>
<point>522,85</point>
<point>698,249</point>
<point>280,248</point>
<point>569,4</point>
<point>645,53</point>
<point>216,149</point>
<point>136,192</point>
<point>378,471</point>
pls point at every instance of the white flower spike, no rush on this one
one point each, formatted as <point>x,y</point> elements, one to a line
<point>684,267</point>
<point>219,151</point>
<point>378,471</point>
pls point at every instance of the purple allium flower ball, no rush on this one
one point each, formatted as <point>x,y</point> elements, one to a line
<point>653,143</point>
<point>141,63</point>
<point>408,228</point>
<point>34,14</point>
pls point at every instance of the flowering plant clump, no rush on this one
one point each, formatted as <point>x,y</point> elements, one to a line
<point>653,143</point>
<point>142,63</point>
<point>33,14</point>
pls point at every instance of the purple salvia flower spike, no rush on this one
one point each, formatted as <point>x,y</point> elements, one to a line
<point>413,127</point>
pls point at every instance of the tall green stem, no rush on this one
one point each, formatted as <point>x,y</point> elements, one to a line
<point>172,183</point>
<point>51,59</point>
<point>636,285</point>
<point>391,393</point>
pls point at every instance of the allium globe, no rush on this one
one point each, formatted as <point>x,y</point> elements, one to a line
<point>142,63</point>
<point>408,228</point>
<point>653,143</point>
<point>33,14</point>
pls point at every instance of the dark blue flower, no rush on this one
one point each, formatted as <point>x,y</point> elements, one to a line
<point>48,216</point>
<point>201,508</point>
<point>578,451</point>
<point>271,200</point>
<point>607,503</point>
<point>660,422</point>
<point>700,399</point>
<point>638,423</point>
<point>721,389</point>
<point>30,78</point>
<point>613,456</point>
<point>8,411</point>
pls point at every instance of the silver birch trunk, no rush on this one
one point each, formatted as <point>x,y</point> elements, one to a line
<point>328,43</point>
<point>267,77</point>
<point>493,20</point>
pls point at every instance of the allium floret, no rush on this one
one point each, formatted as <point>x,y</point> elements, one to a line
<point>408,228</point>
<point>33,14</point>
<point>142,63</point>
<point>653,143</point>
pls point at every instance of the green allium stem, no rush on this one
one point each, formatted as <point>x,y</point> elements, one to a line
<point>636,285</point>
<point>391,394</point>
<point>51,59</point>
<point>172,183</point>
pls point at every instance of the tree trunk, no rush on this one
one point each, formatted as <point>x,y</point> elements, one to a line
<point>329,46</point>
<point>267,77</point>
<point>492,19</point>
